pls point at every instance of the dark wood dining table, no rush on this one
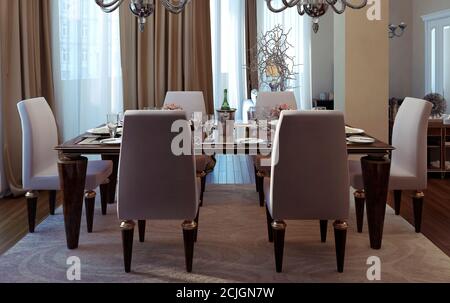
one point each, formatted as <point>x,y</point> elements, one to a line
<point>72,167</point>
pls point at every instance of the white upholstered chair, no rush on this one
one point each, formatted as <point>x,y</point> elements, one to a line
<point>409,160</point>
<point>272,99</point>
<point>269,100</point>
<point>40,161</point>
<point>155,183</point>
<point>193,102</point>
<point>309,178</point>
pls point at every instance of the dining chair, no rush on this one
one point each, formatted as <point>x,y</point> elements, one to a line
<point>269,100</point>
<point>408,164</point>
<point>40,162</point>
<point>194,102</point>
<point>155,183</point>
<point>309,178</point>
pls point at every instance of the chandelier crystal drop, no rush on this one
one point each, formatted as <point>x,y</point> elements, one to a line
<point>316,8</point>
<point>143,9</point>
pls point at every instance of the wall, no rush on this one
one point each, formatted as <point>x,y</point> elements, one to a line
<point>407,53</point>
<point>365,56</point>
<point>400,49</point>
<point>322,57</point>
<point>421,8</point>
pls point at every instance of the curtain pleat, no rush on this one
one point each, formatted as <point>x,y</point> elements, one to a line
<point>26,71</point>
<point>251,39</point>
<point>173,53</point>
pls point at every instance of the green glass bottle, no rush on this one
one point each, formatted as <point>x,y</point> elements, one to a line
<point>225,104</point>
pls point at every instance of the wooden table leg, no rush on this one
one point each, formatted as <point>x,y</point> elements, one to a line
<point>113,178</point>
<point>72,175</point>
<point>376,171</point>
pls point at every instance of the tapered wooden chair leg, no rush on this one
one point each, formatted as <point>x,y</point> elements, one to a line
<point>52,202</point>
<point>104,196</point>
<point>127,229</point>
<point>256,179</point>
<point>269,225</point>
<point>323,230</point>
<point>189,229</point>
<point>141,227</point>
<point>203,188</point>
<point>89,203</point>
<point>32,197</point>
<point>279,231</point>
<point>360,200</point>
<point>260,180</point>
<point>340,236</point>
<point>397,201</point>
<point>418,199</point>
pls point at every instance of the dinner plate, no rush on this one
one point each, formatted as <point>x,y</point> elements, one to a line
<point>354,131</point>
<point>250,141</point>
<point>360,140</point>
<point>111,141</point>
<point>102,130</point>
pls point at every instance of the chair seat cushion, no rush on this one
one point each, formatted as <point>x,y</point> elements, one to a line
<point>400,179</point>
<point>48,179</point>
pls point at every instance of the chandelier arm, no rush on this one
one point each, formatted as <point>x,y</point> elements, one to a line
<point>276,10</point>
<point>291,3</point>
<point>109,7</point>
<point>175,8</point>
<point>355,6</point>
<point>333,3</point>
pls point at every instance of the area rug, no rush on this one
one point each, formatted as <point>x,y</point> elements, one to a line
<point>232,247</point>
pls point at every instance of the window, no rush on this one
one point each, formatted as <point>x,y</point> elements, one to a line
<point>437,52</point>
<point>87,65</point>
<point>299,38</point>
<point>228,52</point>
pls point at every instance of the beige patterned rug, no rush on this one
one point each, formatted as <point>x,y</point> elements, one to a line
<point>232,247</point>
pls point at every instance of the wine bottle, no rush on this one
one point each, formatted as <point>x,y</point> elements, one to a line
<point>225,104</point>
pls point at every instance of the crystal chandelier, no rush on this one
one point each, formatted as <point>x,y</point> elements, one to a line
<point>316,8</point>
<point>142,9</point>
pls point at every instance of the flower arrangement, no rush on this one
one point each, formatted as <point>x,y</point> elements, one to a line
<point>276,111</point>
<point>439,104</point>
<point>172,106</point>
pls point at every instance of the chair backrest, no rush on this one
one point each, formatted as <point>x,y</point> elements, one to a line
<point>39,137</point>
<point>310,180</point>
<point>272,99</point>
<point>409,137</point>
<point>154,183</point>
<point>191,102</point>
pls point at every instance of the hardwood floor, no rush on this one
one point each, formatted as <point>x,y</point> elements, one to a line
<point>14,218</point>
<point>436,212</point>
<point>239,170</point>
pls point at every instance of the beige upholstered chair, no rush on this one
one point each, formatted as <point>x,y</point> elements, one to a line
<point>155,183</point>
<point>40,161</point>
<point>194,102</point>
<point>269,100</point>
<point>309,177</point>
<point>409,160</point>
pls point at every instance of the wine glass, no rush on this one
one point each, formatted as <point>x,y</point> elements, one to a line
<point>112,122</point>
<point>209,123</point>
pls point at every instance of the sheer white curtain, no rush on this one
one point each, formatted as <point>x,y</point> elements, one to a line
<point>86,65</point>
<point>228,51</point>
<point>299,38</point>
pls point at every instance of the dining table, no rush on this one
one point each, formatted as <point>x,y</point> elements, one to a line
<point>72,165</point>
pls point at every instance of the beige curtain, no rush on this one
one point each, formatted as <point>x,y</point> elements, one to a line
<point>26,70</point>
<point>251,36</point>
<point>174,53</point>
